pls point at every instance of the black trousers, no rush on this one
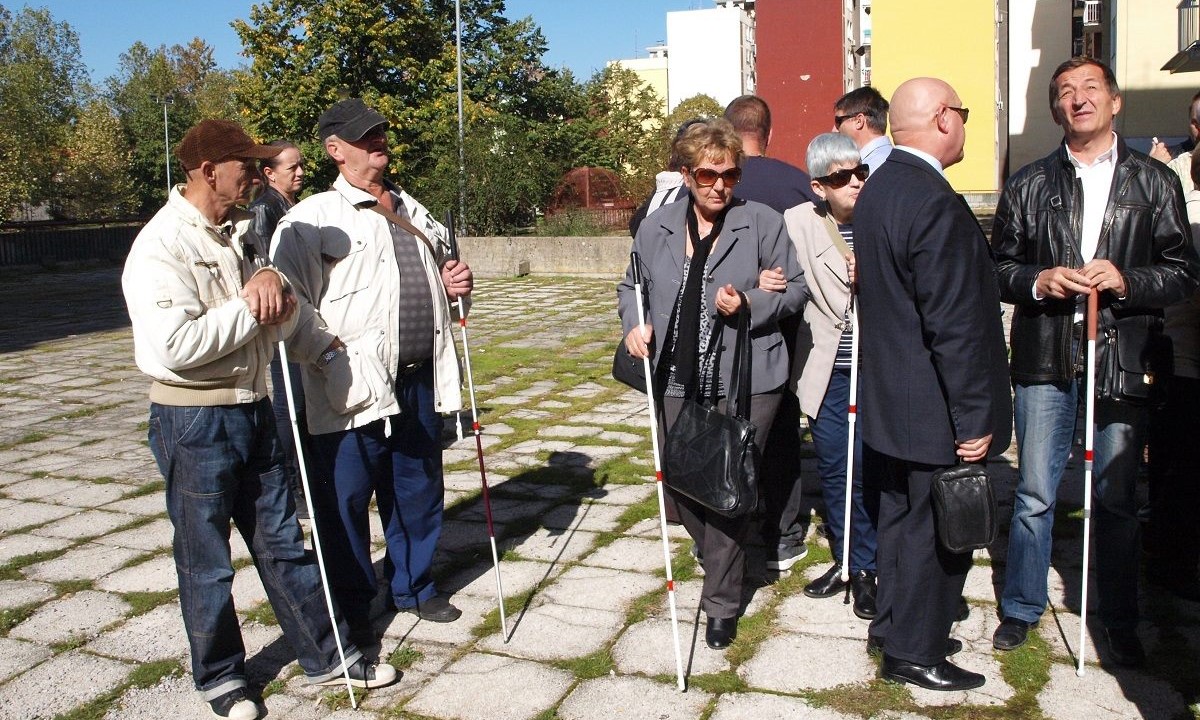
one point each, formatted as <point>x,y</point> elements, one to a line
<point>920,582</point>
<point>783,522</point>
<point>720,540</point>
<point>1173,533</point>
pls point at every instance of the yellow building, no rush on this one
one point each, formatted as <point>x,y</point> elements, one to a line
<point>954,40</point>
<point>652,71</point>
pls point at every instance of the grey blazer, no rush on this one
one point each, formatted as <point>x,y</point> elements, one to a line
<point>829,291</point>
<point>752,239</point>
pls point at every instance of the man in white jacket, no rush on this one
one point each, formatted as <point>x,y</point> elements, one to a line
<point>366,262</point>
<point>206,307</point>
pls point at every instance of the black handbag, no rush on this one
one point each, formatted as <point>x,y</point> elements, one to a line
<point>964,508</point>
<point>710,456</point>
<point>627,369</point>
<point>1136,368</point>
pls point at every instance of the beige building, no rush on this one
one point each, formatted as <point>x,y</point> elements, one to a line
<point>652,71</point>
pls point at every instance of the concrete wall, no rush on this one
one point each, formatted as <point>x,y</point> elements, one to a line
<point>579,256</point>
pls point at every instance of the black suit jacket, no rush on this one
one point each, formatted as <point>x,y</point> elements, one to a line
<point>934,364</point>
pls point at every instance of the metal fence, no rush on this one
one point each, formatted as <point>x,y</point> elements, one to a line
<point>51,243</point>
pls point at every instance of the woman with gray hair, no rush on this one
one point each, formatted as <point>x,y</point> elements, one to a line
<point>824,236</point>
<point>700,260</point>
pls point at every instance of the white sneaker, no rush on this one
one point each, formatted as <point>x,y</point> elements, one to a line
<point>234,705</point>
<point>363,675</point>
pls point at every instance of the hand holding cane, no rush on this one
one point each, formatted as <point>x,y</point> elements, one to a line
<point>851,421</point>
<point>635,264</point>
<point>487,500</point>
<point>1089,426</point>
<point>316,535</point>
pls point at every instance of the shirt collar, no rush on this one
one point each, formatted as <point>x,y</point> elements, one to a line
<point>1108,156</point>
<point>924,156</point>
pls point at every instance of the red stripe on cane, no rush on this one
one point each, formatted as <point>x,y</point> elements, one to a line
<point>462,322</point>
<point>658,475</point>
<point>475,426</point>
<point>1088,455</point>
<point>670,586</point>
<point>853,409</point>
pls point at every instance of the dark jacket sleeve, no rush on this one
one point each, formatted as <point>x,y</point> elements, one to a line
<point>1172,273</point>
<point>1011,238</point>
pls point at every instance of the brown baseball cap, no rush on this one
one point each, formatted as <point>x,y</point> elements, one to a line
<point>217,140</point>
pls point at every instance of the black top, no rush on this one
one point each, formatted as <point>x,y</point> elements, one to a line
<point>774,183</point>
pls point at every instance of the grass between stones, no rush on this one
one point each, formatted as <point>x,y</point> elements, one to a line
<point>85,412</point>
<point>589,667</point>
<point>12,569</point>
<point>156,486</point>
<point>141,603</point>
<point>25,439</point>
<point>70,587</point>
<point>144,675</point>
<point>12,617</point>
<point>263,614</point>
<point>404,657</point>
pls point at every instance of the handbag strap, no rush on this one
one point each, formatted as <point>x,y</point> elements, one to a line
<point>404,225</point>
<point>739,385</point>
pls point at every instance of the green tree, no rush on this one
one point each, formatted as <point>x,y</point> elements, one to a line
<point>95,182</point>
<point>697,106</point>
<point>185,81</point>
<point>42,82</point>
<point>399,56</point>
<point>621,129</point>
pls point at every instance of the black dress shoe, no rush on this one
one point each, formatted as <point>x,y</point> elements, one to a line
<point>862,586</point>
<point>875,646</point>
<point>720,632</point>
<point>1011,634</point>
<point>1125,647</point>
<point>827,585</point>
<point>944,676</point>
<point>436,609</point>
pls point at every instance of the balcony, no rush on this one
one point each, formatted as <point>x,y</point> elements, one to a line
<point>1091,13</point>
<point>1188,57</point>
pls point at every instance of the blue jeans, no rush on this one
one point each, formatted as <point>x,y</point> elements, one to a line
<point>221,464</point>
<point>831,435</point>
<point>1044,416</point>
<point>399,461</point>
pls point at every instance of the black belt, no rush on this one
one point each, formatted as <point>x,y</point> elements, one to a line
<point>410,368</point>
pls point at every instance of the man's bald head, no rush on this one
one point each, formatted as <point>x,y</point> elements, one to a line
<point>921,119</point>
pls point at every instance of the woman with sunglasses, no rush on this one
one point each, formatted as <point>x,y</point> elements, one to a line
<point>824,236</point>
<point>700,261</point>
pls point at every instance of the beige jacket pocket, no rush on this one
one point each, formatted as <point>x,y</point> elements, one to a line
<point>347,386</point>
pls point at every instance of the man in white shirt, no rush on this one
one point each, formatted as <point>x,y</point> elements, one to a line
<point>1091,216</point>
<point>862,114</point>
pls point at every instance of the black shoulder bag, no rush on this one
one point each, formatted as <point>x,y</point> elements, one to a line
<point>711,456</point>
<point>964,508</point>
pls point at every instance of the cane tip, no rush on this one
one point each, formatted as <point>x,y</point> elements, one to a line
<point>1078,672</point>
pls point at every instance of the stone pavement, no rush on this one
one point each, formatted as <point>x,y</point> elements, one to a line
<point>89,617</point>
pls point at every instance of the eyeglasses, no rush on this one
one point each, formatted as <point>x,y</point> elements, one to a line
<point>839,119</point>
<point>707,177</point>
<point>841,178</point>
<point>962,112</point>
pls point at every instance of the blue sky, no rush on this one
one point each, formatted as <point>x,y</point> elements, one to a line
<point>582,34</point>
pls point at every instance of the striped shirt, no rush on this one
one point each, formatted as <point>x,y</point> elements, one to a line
<point>841,361</point>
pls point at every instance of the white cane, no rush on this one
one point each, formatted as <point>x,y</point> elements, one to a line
<point>316,536</point>
<point>1089,429</point>
<point>851,421</point>
<point>635,264</point>
<point>487,498</point>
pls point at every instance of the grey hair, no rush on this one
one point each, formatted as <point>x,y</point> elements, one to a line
<point>829,149</point>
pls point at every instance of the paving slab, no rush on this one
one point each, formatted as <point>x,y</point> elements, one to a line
<point>593,516</point>
<point>173,697</point>
<point>552,632</point>
<point>80,615</point>
<point>745,706</point>
<point>646,648</point>
<point>75,493</point>
<point>557,547</point>
<point>75,677</point>
<point>632,697</point>
<point>517,577</point>
<point>773,666</point>
<point>26,514</point>
<point>821,616</point>
<point>600,588</point>
<point>155,535</point>
<point>1107,695</point>
<point>155,575</point>
<point>405,627</point>
<point>151,504</point>
<point>483,685</point>
<point>86,524</point>
<point>81,563</point>
<point>625,494</point>
<point>17,656</point>
<point>629,553</point>
<point>15,593</point>
<point>156,635</point>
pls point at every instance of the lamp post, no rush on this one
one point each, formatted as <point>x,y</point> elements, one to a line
<point>166,100</point>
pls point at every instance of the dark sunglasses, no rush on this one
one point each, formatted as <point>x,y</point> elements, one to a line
<point>841,178</point>
<point>839,119</point>
<point>962,112</point>
<point>707,177</point>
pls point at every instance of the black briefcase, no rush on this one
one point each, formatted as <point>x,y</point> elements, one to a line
<point>964,508</point>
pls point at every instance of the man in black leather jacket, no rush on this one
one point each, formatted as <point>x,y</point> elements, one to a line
<point>1092,215</point>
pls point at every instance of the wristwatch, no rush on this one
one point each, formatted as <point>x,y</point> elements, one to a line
<point>328,356</point>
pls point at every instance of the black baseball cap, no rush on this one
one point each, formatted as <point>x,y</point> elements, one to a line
<point>349,120</point>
